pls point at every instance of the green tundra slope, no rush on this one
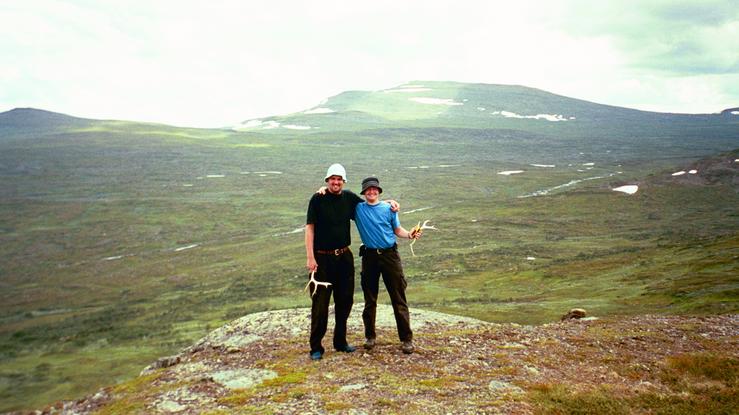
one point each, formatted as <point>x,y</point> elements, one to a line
<point>121,242</point>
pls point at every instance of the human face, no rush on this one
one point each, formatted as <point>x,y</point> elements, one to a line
<point>335,184</point>
<point>371,195</point>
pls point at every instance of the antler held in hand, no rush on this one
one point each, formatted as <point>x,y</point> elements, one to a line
<point>316,284</point>
<point>419,228</point>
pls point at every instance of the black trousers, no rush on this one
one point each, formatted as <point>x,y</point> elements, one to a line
<point>339,271</point>
<point>386,263</point>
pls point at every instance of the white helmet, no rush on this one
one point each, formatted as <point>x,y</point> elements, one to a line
<point>335,170</point>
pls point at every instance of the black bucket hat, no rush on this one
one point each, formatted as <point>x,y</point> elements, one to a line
<point>370,182</point>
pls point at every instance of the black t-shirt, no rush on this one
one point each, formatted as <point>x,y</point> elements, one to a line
<point>330,214</point>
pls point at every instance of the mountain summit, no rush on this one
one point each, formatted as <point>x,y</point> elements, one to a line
<point>35,117</point>
<point>22,121</point>
<point>454,104</point>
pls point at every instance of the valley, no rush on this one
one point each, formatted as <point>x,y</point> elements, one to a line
<point>121,242</point>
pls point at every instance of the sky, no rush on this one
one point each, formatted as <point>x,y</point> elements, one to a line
<point>217,63</point>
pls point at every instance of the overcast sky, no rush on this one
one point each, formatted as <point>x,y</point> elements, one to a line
<point>216,63</point>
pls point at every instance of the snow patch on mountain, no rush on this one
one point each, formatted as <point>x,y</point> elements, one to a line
<point>407,90</point>
<point>320,110</point>
<point>547,117</point>
<point>544,192</point>
<point>435,101</point>
<point>254,124</point>
<point>629,189</point>
<point>185,248</point>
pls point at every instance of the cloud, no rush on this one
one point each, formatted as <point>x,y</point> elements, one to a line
<point>689,37</point>
<point>208,64</point>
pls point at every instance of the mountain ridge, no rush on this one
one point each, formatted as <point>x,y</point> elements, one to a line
<point>29,115</point>
<point>472,105</point>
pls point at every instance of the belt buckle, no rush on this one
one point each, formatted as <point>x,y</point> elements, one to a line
<point>337,251</point>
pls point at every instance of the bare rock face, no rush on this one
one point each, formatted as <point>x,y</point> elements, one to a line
<point>241,333</point>
<point>575,313</point>
<point>242,378</point>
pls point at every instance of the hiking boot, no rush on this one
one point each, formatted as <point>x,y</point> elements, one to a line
<point>316,355</point>
<point>369,344</point>
<point>346,349</point>
<point>407,347</point>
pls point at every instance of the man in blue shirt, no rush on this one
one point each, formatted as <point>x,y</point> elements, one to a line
<point>378,227</point>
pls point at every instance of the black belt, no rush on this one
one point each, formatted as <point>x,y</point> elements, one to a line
<point>379,251</point>
<point>336,252</point>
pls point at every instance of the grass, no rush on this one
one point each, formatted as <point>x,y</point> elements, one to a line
<point>238,399</point>
<point>699,384</point>
<point>558,399</point>
<point>287,379</point>
<point>439,382</point>
<point>91,217</point>
<point>687,369</point>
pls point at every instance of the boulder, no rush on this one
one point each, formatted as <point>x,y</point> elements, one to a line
<point>575,313</point>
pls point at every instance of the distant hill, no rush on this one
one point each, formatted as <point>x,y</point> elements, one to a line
<point>31,117</point>
<point>22,121</point>
<point>432,103</point>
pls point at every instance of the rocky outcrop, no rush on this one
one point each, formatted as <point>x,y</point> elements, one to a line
<point>575,313</point>
<point>710,171</point>
<point>260,364</point>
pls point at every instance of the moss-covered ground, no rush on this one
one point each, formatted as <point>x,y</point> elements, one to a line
<point>121,242</point>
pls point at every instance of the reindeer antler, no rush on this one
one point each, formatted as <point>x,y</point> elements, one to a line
<point>418,228</point>
<point>317,283</point>
<point>424,226</point>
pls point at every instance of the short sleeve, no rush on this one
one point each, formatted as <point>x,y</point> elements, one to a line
<point>395,220</point>
<point>353,201</point>
<point>312,216</point>
<point>353,198</point>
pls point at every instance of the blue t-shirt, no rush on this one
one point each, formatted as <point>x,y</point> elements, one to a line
<point>376,224</point>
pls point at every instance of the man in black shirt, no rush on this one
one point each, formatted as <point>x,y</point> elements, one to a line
<point>327,240</point>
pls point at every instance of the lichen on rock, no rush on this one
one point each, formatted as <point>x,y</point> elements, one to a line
<point>242,378</point>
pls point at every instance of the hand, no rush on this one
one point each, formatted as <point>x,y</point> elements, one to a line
<point>311,264</point>
<point>415,233</point>
<point>394,206</point>
<point>322,190</point>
